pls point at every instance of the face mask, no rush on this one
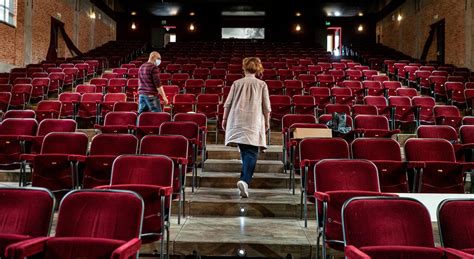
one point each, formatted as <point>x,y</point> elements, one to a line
<point>157,62</point>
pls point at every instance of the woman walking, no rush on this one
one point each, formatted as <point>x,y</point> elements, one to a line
<point>247,118</point>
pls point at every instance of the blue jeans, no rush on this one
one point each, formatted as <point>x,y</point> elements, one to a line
<point>248,154</point>
<point>148,103</point>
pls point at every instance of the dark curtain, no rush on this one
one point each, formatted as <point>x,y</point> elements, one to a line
<point>57,27</point>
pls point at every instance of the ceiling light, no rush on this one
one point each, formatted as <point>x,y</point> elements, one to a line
<point>133,13</point>
<point>360,28</point>
<point>191,27</point>
<point>191,13</point>
<point>298,14</point>
<point>337,13</point>
<point>399,17</point>
<point>329,14</point>
<point>360,14</point>
<point>298,27</point>
<point>134,26</point>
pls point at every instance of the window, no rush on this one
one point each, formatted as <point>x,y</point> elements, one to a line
<point>7,11</point>
<point>243,33</point>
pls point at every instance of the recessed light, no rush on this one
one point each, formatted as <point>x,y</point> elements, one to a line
<point>133,13</point>
<point>337,13</point>
<point>298,14</point>
<point>241,252</point>
<point>191,13</point>
<point>191,27</point>
<point>298,27</point>
<point>134,26</point>
<point>360,28</point>
<point>360,14</point>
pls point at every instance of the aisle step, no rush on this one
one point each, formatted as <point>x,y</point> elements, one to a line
<point>235,165</point>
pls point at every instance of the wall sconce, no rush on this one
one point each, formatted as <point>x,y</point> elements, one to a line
<point>298,28</point>
<point>134,26</point>
<point>191,14</point>
<point>360,28</point>
<point>191,27</point>
<point>399,17</point>
<point>92,15</point>
<point>133,13</point>
<point>298,14</point>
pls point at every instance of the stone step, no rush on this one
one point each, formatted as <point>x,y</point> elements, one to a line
<point>235,165</point>
<point>273,152</point>
<point>262,203</point>
<point>275,138</point>
<point>229,180</point>
<point>225,236</point>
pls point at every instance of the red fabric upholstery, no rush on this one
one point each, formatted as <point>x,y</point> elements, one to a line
<point>389,228</point>
<point>10,143</point>
<point>25,214</point>
<point>103,151</point>
<point>119,122</point>
<point>51,125</point>
<point>150,122</point>
<point>84,247</point>
<point>189,130</point>
<point>386,155</point>
<point>455,224</point>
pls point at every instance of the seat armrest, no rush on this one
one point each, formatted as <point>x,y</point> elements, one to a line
<point>26,248</point>
<point>321,196</point>
<point>466,166</point>
<point>166,191</point>
<point>102,187</point>
<point>26,138</point>
<point>452,253</point>
<point>127,250</point>
<point>416,164</point>
<point>352,252</point>
<point>97,127</point>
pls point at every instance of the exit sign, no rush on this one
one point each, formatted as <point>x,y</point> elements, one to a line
<point>328,23</point>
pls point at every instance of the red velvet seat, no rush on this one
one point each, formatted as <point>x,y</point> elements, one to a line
<point>311,151</point>
<point>440,171</point>
<point>82,89</point>
<point>106,229</point>
<point>183,103</point>
<point>54,168</point>
<point>437,86</point>
<point>335,182</point>
<point>11,145</point>
<point>110,99</point>
<point>19,114</point>
<point>194,86</point>
<point>150,122</point>
<point>373,88</point>
<point>49,109</point>
<point>5,98</point>
<point>27,213</point>
<point>363,109</point>
<point>448,115</point>
<point>454,224</point>
<point>373,126</point>
<point>213,86</point>
<point>189,130</point>
<point>151,176</point>
<point>104,149</point>
<point>455,94</point>
<point>201,120</point>
<point>304,104</point>
<point>21,94</point>
<point>367,222</point>
<point>293,87</point>
<point>402,111</point>
<point>40,87</point>
<point>280,105</point>
<point>125,107</point>
<point>69,104</point>
<point>88,108</point>
<point>275,87</point>
<point>50,125</point>
<point>118,122</point>
<point>179,79</point>
<point>322,97</point>
<point>386,155</point>
<point>176,148</point>
<point>100,84</point>
<point>442,132</point>
<point>356,88</point>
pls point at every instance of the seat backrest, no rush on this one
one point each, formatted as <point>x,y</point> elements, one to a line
<point>113,144</point>
<point>437,131</point>
<point>12,126</point>
<point>26,211</point>
<point>19,114</point>
<point>455,224</point>
<point>92,97</point>
<point>115,97</point>
<point>86,89</point>
<point>53,143</point>
<point>371,122</point>
<point>376,149</point>
<point>447,110</point>
<point>466,132</point>
<point>290,119</point>
<point>399,101</point>
<point>280,99</point>
<point>184,98</point>
<point>346,174</point>
<point>208,98</point>
<point>70,97</point>
<point>120,118</point>
<point>423,101</point>
<point>100,214</point>
<point>323,148</point>
<point>378,101</point>
<point>142,169</point>
<point>188,129</point>
<point>383,221</point>
<point>153,118</point>
<point>199,118</point>
<point>433,150</point>
<point>56,125</point>
<point>49,105</point>
<point>174,146</point>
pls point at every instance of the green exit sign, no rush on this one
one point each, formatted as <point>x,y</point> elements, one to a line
<point>163,22</point>
<point>328,23</point>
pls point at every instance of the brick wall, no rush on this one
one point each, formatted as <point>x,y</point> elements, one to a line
<point>409,35</point>
<point>90,32</point>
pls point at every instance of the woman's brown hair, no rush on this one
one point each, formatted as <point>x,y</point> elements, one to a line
<point>252,65</point>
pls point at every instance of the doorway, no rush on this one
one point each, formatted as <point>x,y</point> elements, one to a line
<point>334,40</point>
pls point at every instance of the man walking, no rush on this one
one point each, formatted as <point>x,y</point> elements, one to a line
<point>149,85</point>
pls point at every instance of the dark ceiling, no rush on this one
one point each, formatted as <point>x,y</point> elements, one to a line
<point>342,8</point>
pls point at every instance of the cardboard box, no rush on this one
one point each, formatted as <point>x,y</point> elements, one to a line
<point>300,133</point>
